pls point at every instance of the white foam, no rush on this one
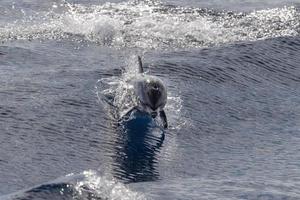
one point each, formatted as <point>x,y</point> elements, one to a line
<point>104,188</point>
<point>152,25</point>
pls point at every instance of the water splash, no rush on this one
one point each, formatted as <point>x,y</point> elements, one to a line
<point>151,25</point>
<point>86,185</point>
<point>97,187</point>
<point>116,94</point>
<point>119,91</point>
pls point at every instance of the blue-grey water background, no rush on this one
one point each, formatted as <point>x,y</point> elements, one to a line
<point>232,69</point>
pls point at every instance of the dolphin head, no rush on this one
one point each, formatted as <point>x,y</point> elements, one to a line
<point>152,94</point>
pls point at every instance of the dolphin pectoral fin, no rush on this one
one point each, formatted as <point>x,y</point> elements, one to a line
<point>141,70</point>
<point>163,117</point>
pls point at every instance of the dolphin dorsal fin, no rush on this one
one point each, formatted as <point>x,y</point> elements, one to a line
<point>141,70</point>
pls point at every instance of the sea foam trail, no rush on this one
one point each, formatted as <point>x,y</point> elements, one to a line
<point>150,25</point>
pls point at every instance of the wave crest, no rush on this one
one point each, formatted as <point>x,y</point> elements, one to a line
<point>151,25</point>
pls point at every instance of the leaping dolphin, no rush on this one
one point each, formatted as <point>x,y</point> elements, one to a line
<point>151,94</point>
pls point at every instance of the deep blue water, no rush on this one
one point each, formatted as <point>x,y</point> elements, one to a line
<point>233,76</point>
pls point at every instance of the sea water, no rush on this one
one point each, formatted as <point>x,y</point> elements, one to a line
<point>232,69</point>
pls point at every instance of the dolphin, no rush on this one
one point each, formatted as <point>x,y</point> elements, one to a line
<point>151,94</point>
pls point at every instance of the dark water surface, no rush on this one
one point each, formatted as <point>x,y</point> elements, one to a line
<point>233,79</point>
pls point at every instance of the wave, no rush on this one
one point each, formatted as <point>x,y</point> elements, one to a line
<point>150,25</point>
<point>87,185</point>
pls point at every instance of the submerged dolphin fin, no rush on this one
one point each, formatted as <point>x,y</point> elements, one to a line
<point>163,117</point>
<point>141,70</point>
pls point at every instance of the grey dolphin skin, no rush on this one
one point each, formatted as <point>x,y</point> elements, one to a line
<point>151,94</point>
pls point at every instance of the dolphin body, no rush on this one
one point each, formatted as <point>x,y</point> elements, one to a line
<point>151,95</point>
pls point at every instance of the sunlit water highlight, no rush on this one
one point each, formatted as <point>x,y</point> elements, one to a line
<point>151,25</point>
